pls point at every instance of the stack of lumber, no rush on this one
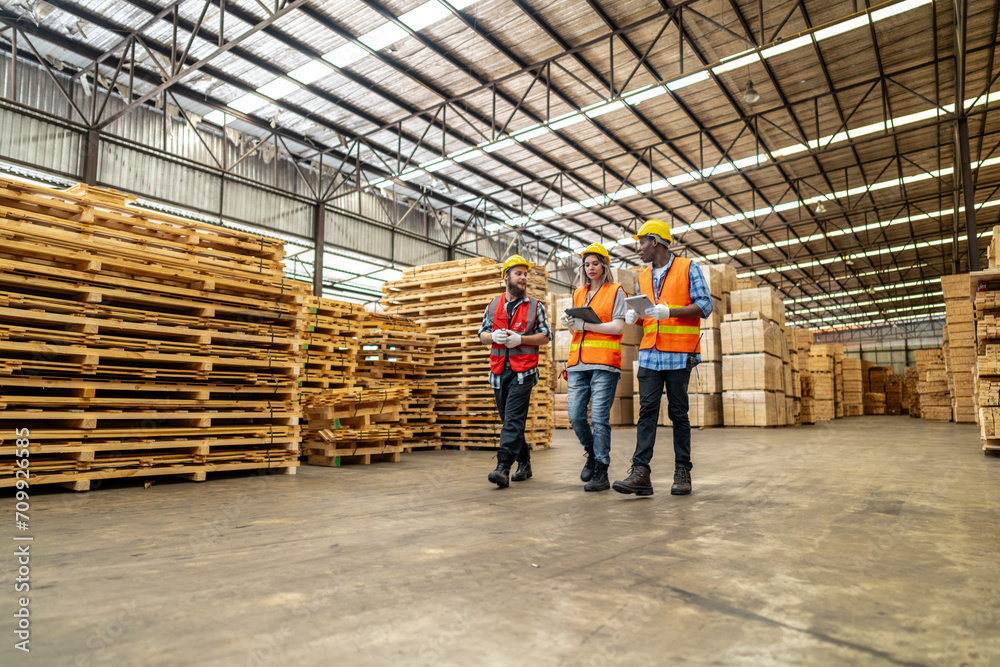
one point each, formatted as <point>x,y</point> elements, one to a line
<point>449,300</point>
<point>705,387</point>
<point>753,348</point>
<point>561,337</point>
<point>137,344</point>
<point>396,352</point>
<point>993,251</point>
<point>911,399</point>
<point>821,367</point>
<point>853,387</point>
<point>874,403</point>
<point>876,385</point>
<point>960,352</point>
<point>893,394</point>
<point>838,380</point>
<point>866,368</point>
<point>987,376</point>
<point>359,427</point>
<point>935,399</point>
<point>807,412</point>
<point>802,340</point>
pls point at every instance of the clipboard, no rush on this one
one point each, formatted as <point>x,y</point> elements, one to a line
<point>586,314</point>
<point>639,304</point>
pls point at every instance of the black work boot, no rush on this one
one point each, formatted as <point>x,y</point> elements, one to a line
<point>523,471</point>
<point>501,476</point>
<point>588,467</point>
<point>599,482</point>
<point>682,482</point>
<point>637,481</point>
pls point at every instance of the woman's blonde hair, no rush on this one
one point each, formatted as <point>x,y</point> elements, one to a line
<point>606,278</point>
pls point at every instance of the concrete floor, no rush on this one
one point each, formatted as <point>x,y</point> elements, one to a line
<point>868,541</point>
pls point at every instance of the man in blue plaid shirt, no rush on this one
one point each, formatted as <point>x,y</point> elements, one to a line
<point>669,350</point>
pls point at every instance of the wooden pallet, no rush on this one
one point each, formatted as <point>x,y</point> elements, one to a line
<point>81,480</point>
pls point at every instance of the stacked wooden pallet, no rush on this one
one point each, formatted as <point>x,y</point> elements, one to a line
<point>935,399</point>
<point>559,349</point>
<point>893,394</point>
<point>137,344</point>
<point>875,396</point>
<point>396,352</point>
<point>874,403</point>
<point>449,300</point>
<point>960,350</point>
<point>821,368</point>
<point>853,387</point>
<point>800,342</point>
<point>911,399</point>
<point>359,427</point>
<point>384,404</point>
<point>329,349</point>
<point>987,378</point>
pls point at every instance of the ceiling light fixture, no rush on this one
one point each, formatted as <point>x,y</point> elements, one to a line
<point>751,95</point>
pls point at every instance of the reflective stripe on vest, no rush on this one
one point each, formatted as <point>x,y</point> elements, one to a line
<point>522,358</point>
<point>677,334</point>
<point>667,329</point>
<point>590,347</point>
<point>607,344</point>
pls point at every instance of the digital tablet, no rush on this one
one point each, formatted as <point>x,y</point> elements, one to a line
<point>639,304</point>
<point>586,314</point>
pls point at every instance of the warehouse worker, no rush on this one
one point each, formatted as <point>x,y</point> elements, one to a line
<point>669,349</point>
<point>595,362</point>
<point>514,327</point>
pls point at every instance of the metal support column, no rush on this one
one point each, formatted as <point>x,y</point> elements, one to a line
<point>969,192</point>
<point>965,192</point>
<point>319,245</point>
<point>90,157</point>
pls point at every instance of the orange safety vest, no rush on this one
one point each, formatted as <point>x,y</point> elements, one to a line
<point>590,347</point>
<point>677,334</point>
<point>522,358</point>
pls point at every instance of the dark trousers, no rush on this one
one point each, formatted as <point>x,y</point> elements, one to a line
<point>512,399</point>
<point>651,385</point>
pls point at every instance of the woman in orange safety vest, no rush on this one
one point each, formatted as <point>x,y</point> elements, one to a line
<point>595,362</point>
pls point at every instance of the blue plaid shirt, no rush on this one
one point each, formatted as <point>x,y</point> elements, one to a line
<point>541,327</point>
<point>656,360</point>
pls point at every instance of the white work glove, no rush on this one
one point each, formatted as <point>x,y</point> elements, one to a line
<point>513,340</point>
<point>658,312</point>
<point>566,320</point>
<point>577,324</point>
<point>500,337</point>
<point>631,316</point>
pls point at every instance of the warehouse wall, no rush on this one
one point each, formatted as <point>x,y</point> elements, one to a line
<point>171,163</point>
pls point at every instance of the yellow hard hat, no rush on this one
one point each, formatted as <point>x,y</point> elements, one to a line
<point>514,260</point>
<point>654,227</point>
<point>595,249</point>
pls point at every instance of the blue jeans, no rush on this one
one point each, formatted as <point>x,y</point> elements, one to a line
<point>597,388</point>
